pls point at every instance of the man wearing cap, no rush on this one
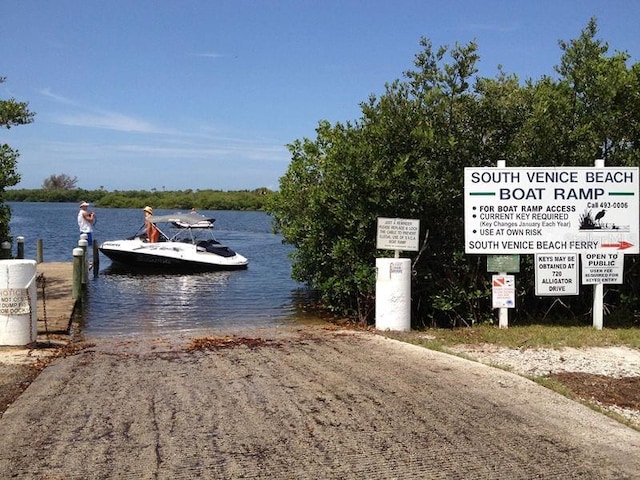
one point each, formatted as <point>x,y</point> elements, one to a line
<point>86,220</point>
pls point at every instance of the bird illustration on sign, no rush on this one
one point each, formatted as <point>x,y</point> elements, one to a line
<point>589,222</point>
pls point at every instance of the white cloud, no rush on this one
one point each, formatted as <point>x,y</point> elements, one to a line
<point>58,98</point>
<point>96,118</point>
<point>208,55</point>
<point>106,120</point>
<point>221,152</point>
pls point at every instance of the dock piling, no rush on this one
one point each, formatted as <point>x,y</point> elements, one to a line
<point>6,249</point>
<point>78,260</point>
<point>20,248</point>
<point>39,249</point>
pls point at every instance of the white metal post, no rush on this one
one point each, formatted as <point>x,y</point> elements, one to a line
<point>598,288</point>
<point>503,313</point>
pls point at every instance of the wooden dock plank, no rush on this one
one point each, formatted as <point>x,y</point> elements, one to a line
<point>55,302</point>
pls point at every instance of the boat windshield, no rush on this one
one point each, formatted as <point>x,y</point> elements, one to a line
<point>184,220</point>
<point>185,228</point>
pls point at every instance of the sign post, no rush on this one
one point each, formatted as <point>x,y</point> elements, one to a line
<point>503,264</point>
<point>583,210</point>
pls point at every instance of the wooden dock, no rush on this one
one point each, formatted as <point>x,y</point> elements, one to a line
<point>55,303</point>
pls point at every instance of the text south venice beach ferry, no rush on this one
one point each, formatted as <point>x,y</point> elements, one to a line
<point>534,245</point>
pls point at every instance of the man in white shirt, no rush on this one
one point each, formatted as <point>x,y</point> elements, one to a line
<point>86,219</point>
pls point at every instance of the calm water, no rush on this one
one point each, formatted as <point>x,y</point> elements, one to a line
<point>124,304</point>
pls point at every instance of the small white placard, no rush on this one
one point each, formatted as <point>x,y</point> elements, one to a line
<point>602,268</point>
<point>504,291</point>
<point>398,234</point>
<point>557,274</point>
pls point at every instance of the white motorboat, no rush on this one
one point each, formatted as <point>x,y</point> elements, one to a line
<point>186,243</point>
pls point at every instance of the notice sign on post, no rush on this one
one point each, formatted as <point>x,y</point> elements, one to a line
<point>549,210</point>
<point>14,301</point>
<point>503,263</point>
<point>557,274</point>
<point>398,234</point>
<point>504,291</point>
<point>602,268</point>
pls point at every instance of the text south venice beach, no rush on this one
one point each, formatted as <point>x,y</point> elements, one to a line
<point>556,177</point>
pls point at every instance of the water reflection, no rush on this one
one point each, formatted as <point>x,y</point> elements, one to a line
<point>125,303</point>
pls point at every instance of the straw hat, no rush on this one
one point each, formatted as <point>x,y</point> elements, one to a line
<point>148,209</point>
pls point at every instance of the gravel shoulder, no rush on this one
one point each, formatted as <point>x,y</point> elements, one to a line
<point>606,377</point>
<point>299,403</point>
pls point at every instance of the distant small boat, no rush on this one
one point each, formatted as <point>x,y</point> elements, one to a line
<point>187,245</point>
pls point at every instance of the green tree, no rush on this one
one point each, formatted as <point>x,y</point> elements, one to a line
<point>402,158</point>
<point>12,113</point>
<point>589,112</point>
<point>602,92</point>
<point>405,157</point>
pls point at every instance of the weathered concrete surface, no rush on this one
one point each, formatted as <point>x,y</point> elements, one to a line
<point>306,403</point>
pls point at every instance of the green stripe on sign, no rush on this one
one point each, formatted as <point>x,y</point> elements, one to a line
<point>474,194</point>
<point>621,194</point>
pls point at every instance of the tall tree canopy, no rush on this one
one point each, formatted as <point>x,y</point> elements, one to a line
<point>12,113</point>
<point>60,182</point>
<point>405,157</point>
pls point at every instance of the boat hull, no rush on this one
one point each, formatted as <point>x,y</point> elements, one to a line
<point>169,257</point>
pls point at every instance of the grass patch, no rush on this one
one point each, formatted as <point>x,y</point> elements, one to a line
<point>556,386</point>
<point>530,336</point>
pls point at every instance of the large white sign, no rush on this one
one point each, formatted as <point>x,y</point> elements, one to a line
<point>602,268</point>
<point>398,234</point>
<point>547,210</point>
<point>557,274</point>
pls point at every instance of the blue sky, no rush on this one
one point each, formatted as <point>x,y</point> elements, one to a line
<point>198,94</point>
